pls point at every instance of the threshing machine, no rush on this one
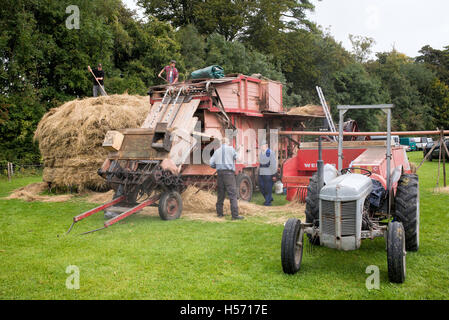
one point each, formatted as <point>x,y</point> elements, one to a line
<point>170,151</point>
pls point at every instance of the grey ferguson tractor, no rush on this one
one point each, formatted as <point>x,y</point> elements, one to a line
<point>365,201</point>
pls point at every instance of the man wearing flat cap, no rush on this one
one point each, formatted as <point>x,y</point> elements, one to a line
<point>267,170</point>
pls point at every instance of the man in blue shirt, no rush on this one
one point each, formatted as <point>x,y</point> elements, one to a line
<point>267,169</point>
<point>223,160</point>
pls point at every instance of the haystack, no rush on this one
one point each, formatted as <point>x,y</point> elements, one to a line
<point>307,110</point>
<point>70,137</point>
<point>33,192</point>
<point>197,204</point>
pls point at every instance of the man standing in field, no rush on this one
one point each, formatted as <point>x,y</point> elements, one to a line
<point>98,80</point>
<point>223,160</point>
<point>267,170</point>
<point>171,73</point>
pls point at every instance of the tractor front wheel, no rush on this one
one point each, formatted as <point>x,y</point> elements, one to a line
<point>170,205</point>
<point>396,252</point>
<point>407,209</point>
<point>312,207</point>
<point>292,246</point>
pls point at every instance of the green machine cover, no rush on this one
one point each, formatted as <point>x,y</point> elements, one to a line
<point>209,72</point>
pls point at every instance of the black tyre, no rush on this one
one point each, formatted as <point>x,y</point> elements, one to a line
<point>407,209</point>
<point>170,205</point>
<point>312,207</point>
<point>244,187</point>
<point>396,252</point>
<point>292,246</point>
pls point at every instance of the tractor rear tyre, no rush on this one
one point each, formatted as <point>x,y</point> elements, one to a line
<point>396,252</point>
<point>312,207</point>
<point>292,246</point>
<point>407,209</point>
<point>244,187</point>
<point>170,205</point>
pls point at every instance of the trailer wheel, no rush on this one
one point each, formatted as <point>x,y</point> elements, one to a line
<point>292,246</point>
<point>312,207</point>
<point>407,209</point>
<point>170,205</point>
<point>244,187</point>
<point>396,252</point>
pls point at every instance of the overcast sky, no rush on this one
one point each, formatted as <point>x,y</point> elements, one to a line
<point>408,25</point>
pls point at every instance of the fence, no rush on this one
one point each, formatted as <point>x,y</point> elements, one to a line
<point>12,170</point>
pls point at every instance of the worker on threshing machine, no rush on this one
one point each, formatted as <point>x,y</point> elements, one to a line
<point>171,73</point>
<point>223,161</point>
<point>98,85</point>
<point>267,171</point>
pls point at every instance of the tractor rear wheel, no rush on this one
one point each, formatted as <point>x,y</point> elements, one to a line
<point>407,209</point>
<point>244,187</point>
<point>312,207</point>
<point>396,252</point>
<point>170,205</point>
<point>292,246</point>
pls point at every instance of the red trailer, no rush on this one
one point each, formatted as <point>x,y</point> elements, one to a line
<point>297,171</point>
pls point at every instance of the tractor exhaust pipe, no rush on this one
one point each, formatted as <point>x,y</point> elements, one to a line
<point>320,165</point>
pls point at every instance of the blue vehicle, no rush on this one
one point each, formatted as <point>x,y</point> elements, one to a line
<point>409,143</point>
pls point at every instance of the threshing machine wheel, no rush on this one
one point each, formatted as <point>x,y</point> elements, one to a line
<point>244,187</point>
<point>170,205</point>
<point>396,252</point>
<point>312,207</point>
<point>292,246</point>
<point>407,209</point>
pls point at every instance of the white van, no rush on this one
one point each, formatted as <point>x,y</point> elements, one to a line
<point>395,141</point>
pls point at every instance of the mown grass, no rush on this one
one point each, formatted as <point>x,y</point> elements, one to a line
<point>147,258</point>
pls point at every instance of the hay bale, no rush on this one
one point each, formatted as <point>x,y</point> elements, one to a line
<point>32,192</point>
<point>442,190</point>
<point>307,110</point>
<point>70,137</point>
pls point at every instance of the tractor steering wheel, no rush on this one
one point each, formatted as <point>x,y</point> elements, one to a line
<point>366,172</point>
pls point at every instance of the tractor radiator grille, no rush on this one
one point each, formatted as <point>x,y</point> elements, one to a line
<point>348,216</point>
<point>328,217</point>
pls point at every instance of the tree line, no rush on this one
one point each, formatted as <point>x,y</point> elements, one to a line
<point>43,63</point>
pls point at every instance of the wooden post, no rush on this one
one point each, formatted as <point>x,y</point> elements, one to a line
<point>442,145</point>
<point>439,159</point>
<point>9,171</point>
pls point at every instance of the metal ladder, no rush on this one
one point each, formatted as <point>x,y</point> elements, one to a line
<point>330,122</point>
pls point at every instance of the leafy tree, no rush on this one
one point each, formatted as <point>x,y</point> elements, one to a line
<point>225,17</point>
<point>439,94</point>
<point>43,63</point>
<point>193,47</point>
<point>269,19</point>
<point>361,47</point>
<point>257,20</point>
<point>354,85</point>
<point>401,79</point>
<point>436,60</point>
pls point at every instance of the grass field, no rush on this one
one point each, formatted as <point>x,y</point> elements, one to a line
<point>147,258</point>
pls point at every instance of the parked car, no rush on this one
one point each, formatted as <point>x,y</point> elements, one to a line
<point>421,142</point>
<point>409,143</point>
<point>436,152</point>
